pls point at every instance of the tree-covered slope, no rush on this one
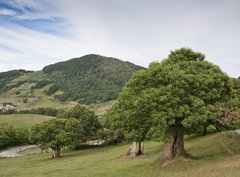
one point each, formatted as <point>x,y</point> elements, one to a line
<point>6,77</point>
<point>91,78</point>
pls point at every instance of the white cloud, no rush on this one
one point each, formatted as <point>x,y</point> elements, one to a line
<point>7,12</point>
<point>137,31</point>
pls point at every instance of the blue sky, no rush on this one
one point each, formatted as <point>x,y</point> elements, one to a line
<point>35,33</point>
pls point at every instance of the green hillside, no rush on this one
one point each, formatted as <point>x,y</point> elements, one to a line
<point>212,156</point>
<point>88,79</point>
<point>91,78</point>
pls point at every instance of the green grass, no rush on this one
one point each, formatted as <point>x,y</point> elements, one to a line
<point>38,76</point>
<point>23,120</point>
<point>213,155</point>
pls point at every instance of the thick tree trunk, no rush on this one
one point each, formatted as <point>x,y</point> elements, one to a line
<point>174,147</point>
<point>55,153</point>
<point>179,146</point>
<point>140,148</point>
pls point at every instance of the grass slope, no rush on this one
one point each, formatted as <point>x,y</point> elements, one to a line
<point>214,155</point>
<point>23,120</point>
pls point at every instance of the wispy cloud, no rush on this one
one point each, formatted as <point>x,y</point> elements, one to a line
<point>7,12</point>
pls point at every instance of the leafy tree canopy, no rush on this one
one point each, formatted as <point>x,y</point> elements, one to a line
<point>88,119</point>
<point>58,133</point>
<point>174,97</point>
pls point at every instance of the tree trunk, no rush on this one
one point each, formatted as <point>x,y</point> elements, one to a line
<point>55,152</point>
<point>174,147</point>
<point>140,148</point>
<point>132,150</point>
<point>205,131</point>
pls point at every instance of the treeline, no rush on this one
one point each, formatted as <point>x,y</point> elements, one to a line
<point>41,111</point>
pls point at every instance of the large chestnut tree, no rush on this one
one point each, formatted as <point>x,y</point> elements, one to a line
<point>170,99</point>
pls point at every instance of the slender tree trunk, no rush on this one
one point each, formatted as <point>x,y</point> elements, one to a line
<point>140,148</point>
<point>133,149</point>
<point>205,131</point>
<point>55,152</point>
<point>174,147</point>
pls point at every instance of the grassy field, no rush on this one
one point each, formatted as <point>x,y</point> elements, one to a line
<point>23,120</point>
<point>212,156</point>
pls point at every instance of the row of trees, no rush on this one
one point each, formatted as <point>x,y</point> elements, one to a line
<point>48,111</point>
<point>181,95</point>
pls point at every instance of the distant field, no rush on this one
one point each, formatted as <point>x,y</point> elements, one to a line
<point>212,156</point>
<point>23,120</point>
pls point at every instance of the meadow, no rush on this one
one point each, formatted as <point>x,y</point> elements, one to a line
<point>212,156</point>
<point>23,120</point>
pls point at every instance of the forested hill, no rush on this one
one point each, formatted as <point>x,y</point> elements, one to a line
<point>91,78</point>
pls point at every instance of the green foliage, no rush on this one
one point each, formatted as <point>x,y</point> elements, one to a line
<point>211,129</point>
<point>43,111</point>
<point>234,103</point>
<point>48,111</point>
<point>91,78</point>
<point>58,133</point>
<point>40,84</point>
<point>178,95</point>
<point>184,54</point>
<point>88,119</point>
<point>12,136</point>
<point>52,90</point>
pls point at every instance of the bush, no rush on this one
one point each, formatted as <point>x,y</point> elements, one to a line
<point>25,100</point>
<point>211,129</point>
<point>12,136</point>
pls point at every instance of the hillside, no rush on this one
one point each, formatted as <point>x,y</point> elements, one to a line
<point>88,79</point>
<point>212,156</point>
<point>6,77</point>
<point>23,120</point>
<point>91,78</point>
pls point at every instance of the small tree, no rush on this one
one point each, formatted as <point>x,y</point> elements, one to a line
<point>88,119</point>
<point>58,133</point>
